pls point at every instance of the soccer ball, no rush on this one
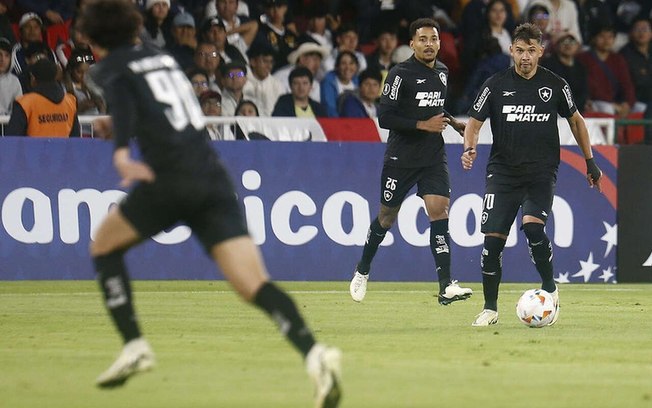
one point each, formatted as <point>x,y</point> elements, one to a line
<point>535,308</point>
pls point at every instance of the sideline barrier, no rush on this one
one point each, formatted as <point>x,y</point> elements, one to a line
<point>308,206</point>
<point>601,130</point>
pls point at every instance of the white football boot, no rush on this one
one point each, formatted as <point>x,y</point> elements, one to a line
<point>453,293</point>
<point>358,287</point>
<point>323,365</point>
<point>555,297</point>
<point>136,356</point>
<point>485,318</point>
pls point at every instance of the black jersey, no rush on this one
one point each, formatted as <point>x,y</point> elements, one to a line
<point>413,92</point>
<point>523,114</point>
<point>152,100</point>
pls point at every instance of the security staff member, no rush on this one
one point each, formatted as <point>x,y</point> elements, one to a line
<point>47,111</point>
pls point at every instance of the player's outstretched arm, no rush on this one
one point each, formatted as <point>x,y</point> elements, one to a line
<point>581,135</point>
<point>471,136</point>
<point>130,170</point>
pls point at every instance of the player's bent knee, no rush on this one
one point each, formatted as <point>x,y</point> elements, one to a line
<point>534,232</point>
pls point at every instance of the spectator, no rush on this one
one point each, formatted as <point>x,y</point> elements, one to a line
<point>610,85</point>
<point>210,8</point>
<point>213,31</point>
<point>538,15</point>
<point>309,55</point>
<point>158,22</point>
<point>386,43</point>
<point>492,60</point>
<point>493,25</point>
<point>184,40</point>
<point>364,102</point>
<point>298,103</point>
<point>474,16</point>
<point>638,55</point>
<point>32,53</point>
<point>246,108</point>
<point>347,40</point>
<point>31,31</point>
<point>75,42</point>
<point>234,78</point>
<point>10,87</point>
<point>208,59</point>
<point>563,17</point>
<point>262,87</point>
<point>343,78</point>
<point>88,102</point>
<point>6,31</point>
<point>241,31</point>
<point>275,34</point>
<point>564,63</point>
<point>318,30</point>
<point>47,111</point>
<point>211,105</point>
<point>594,14</point>
<point>54,11</point>
<point>199,81</point>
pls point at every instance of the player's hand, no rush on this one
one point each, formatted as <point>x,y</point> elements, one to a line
<point>593,174</point>
<point>436,123</point>
<point>459,126</point>
<point>468,157</point>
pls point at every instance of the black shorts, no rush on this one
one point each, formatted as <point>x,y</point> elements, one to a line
<point>396,182</point>
<point>206,204</point>
<point>506,194</point>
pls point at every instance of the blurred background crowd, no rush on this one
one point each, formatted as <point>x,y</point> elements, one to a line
<point>329,58</point>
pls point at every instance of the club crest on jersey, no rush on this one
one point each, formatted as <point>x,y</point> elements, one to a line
<point>387,195</point>
<point>442,77</point>
<point>545,93</point>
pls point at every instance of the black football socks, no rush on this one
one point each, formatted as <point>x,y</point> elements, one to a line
<point>492,270</point>
<point>375,236</point>
<point>541,254</point>
<point>116,287</point>
<point>280,307</point>
<point>440,248</point>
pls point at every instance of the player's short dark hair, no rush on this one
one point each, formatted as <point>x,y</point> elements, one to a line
<point>422,22</point>
<point>300,72</point>
<point>110,23</point>
<point>527,32</point>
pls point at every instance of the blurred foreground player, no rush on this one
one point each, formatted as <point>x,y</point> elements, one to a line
<point>179,179</point>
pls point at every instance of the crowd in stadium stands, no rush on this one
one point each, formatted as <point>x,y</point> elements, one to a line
<point>248,50</point>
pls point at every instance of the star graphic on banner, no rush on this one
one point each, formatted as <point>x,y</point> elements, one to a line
<point>610,237</point>
<point>606,274</point>
<point>587,268</point>
<point>562,278</point>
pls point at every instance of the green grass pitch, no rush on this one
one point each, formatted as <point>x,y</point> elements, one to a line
<point>401,349</point>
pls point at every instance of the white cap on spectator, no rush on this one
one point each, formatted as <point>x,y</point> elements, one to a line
<point>150,3</point>
<point>29,16</point>
<point>307,48</point>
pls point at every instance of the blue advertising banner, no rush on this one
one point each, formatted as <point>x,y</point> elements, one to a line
<point>308,206</point>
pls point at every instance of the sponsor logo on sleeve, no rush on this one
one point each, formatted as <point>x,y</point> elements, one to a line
<point>386,89</point>
<point>393,94</point>
<point>569,97</point>
<point>477,106</point>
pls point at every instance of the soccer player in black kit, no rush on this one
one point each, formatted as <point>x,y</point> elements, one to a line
<point>179,179</point>
<point>412,108</point>
<point>522,103</point>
